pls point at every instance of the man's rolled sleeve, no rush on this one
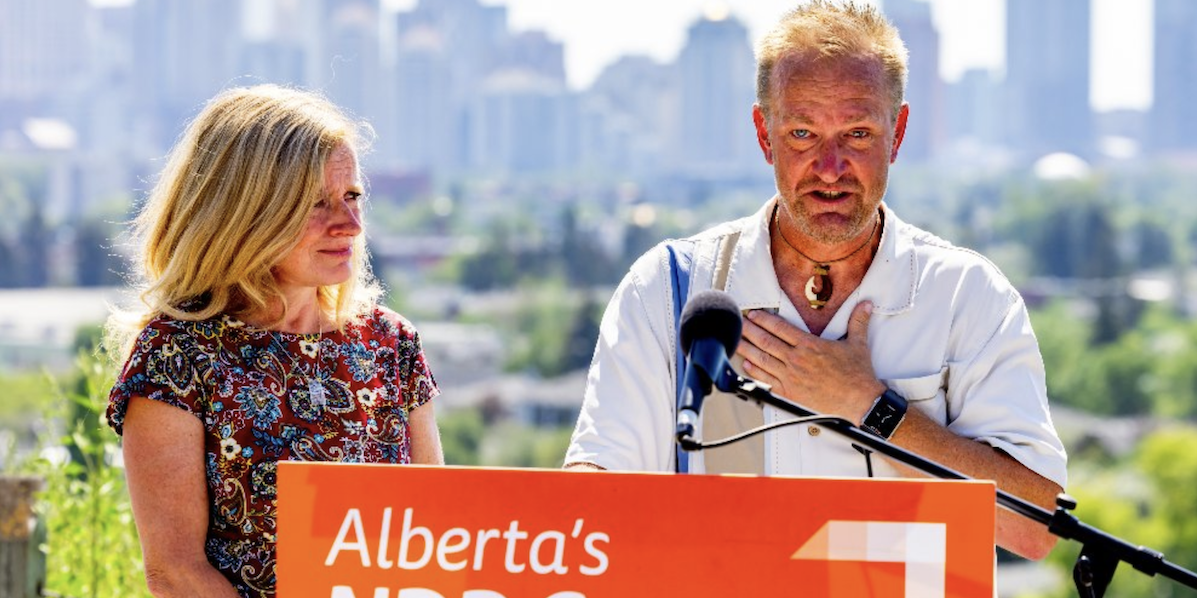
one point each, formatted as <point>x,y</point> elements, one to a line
<point>1001,397</point>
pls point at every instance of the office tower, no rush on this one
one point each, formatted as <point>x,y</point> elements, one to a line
<point>1047,77</point>
<point>717,75</point>
<point>632,117</point>
<point>185,52</point>
<point>924,88</point>
<point>520,124</point>
<point>425,119</point>
<point>535,51</point>
<point>974,109</point>
<point>279,38</point>
<point>520,120</point>
<point>444,50</point>
<point>43,53</point>
<point>1172,126</point>
<point>350,62</point>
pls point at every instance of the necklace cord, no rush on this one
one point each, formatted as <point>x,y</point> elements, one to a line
<point>824,263</point>
<point>818,288</point>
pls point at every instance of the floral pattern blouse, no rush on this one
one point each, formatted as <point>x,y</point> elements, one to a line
<point>258,394</point>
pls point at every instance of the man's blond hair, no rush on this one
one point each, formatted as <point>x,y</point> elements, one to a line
<point>832,29</point>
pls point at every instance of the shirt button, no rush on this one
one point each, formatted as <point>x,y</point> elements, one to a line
<point>814,430</point>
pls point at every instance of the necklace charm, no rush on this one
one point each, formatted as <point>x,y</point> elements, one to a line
<point>316,390</point>
<point>818,286</point>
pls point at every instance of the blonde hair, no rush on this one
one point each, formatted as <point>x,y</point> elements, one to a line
<point>833,29</point>
<point>231,203</point>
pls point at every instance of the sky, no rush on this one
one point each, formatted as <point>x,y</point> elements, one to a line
<point>596,32</point>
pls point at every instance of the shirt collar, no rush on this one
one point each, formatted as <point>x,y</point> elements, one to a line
<point>890,282</point>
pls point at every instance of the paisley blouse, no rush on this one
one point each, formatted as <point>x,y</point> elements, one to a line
<point>266,396</point>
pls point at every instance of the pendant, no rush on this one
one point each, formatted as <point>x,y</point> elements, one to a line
<point>316,390</point>
<point>818,287</point>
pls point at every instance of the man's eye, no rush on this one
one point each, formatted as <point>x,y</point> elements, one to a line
<point>800,134</point>
<point>859,134</point>
<point>353,196</point>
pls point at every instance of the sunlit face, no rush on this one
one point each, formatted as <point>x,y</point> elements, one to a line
<point>830,137</point>
<point>324,253</point>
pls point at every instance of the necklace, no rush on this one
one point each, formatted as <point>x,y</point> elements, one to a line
<point>818,286</point>
<point>315,387</point>
<point>316,391</point>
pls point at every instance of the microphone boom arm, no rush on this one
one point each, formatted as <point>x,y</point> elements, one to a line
<point>1100,552</point>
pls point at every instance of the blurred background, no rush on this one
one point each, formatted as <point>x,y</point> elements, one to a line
<point>528,151</point>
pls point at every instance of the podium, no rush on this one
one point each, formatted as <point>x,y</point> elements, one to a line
<point>375,531</point>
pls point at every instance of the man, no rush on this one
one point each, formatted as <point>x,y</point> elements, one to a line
<point>849,310</point>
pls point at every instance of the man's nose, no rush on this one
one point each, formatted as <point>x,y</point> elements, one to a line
<point>830,162</point>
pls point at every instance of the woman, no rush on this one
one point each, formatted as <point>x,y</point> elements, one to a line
<point>261,339</point>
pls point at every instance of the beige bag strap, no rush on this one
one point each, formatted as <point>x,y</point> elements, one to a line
<point>727,246</point>
<point>726,414</point>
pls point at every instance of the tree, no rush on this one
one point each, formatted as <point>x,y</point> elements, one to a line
<point>95,261</point>
<point>462,432</point>
<point>1149,499</point>
<point>581,337</point>
<point>582,258</point>
<point>35,249</point>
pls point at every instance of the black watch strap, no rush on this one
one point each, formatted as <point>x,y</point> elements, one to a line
<point>888,411</point>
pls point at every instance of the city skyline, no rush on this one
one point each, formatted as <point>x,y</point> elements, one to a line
<point>971,33</point>
<point>972,36</point>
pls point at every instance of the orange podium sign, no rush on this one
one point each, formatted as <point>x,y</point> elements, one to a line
<point>386,531</point>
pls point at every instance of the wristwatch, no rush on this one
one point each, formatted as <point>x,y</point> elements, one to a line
<point>888,411</point>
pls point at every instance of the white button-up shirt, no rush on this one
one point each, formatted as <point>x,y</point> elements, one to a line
<point>948,332</point>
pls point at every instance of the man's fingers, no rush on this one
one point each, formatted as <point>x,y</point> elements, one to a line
<point>751,352</point>
<point>858,324</point>
<point>776,326</point>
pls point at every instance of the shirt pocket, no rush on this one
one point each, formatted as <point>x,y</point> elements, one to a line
<point>926,393</point>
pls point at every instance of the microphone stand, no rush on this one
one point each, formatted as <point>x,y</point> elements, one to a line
<point>1100,552</point>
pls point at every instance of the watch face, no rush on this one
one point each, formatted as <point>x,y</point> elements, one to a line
<point>885,416</point>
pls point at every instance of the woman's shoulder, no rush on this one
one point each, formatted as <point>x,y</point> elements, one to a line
<point>167,326</point>
<point>386,322</point>
<point>195,336</point>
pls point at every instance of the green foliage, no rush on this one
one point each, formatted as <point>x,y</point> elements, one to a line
<point>25,394</point>
<point>1147,500</point>
<point>1064,342</point>
<point>502,262</point>
<point>1169,459</point>
<point>1146,371</point>
<point>511,444</point>
<point>92,548</point>
<point>554,329</point>
<point>462,431</point>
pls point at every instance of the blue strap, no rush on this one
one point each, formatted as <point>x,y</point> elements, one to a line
<point>680,258</point>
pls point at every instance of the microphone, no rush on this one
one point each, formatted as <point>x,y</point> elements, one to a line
<point>710,331</point>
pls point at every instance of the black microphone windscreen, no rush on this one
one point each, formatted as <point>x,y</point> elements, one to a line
<point>711,314</point>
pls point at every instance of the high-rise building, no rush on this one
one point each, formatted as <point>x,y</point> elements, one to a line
<point>425,119</point>
<point>352,57</point>
<point>1047,78</point>
<point>1172,126</point>
<point>717,74</point>
<point>520,124</point>
<point>43,50</point>
<point>974,109</point>
<point>185,52</point>
<point>924,88</point>
<point>537,52</point>
<point>632,117</point>
<point>444,50</point>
